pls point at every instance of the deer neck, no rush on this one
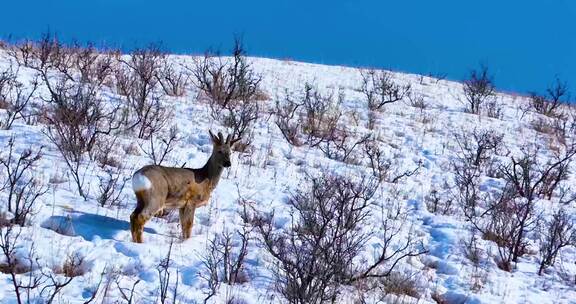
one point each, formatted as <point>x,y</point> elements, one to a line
<point>213,170</point>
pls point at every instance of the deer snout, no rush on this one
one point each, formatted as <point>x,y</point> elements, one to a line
<point>227,163</point>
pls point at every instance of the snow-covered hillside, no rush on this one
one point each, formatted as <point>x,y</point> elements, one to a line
<point>65,228</point>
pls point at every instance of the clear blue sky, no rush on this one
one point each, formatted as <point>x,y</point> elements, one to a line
<point>525,43</point>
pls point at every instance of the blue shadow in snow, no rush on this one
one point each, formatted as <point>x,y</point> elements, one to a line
<point>88,226</point>
<point>190,274</point>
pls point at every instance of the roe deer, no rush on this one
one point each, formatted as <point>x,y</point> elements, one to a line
<point>158,187</point>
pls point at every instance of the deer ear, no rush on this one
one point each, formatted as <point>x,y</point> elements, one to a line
<point>228,139</point>
<point>215,139</point>
<point>221,137</point>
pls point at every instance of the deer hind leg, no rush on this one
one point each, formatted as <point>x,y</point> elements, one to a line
<point>140,216</point>
<point>137,222</point>
<point>187,220</point>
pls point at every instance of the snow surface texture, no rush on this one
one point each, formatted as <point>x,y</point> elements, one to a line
<point>64,224</point>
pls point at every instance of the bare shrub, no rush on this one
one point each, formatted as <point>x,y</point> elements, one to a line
<point>131,149</point>
<point>46,54</point>
<point>437,76</point>
<point>316,252</point>
<point>76,113</point>
<point>509,222</point>
<point>104,155</point>
<point>398,176</point>
<point>42,282</point>
<point>235,260</point>
<point>467,179</point>
<point>139,84</point>
<point>123,80</point>
<point>22,188</point>
<point>127,294</point>
<point>93,66</point>
<point>341,145</point>
<point>72,266</point>
<point>111,186</point>
<point>478,89</point>
<point>225,260</point>
<point>494,109</point>
<point>391,289</point>
<point>211,262</point>
<point>437,204</point>
<point>393,248</point>
<point>401,284</point>
<point>7,77</point>
<point>54,286</point>
<point>542,125</point>
<point>478,147</point>
<point>417,101</point>
<point>380,89</point>
<point>556,176</point>
<point>531,180</point>
<point>232,88</point>
<point>471,250</point>
<point>165,277</point>
<point>557,233</point>
<point>314,255</point>
<point>100,290</point>
<point>51,53</point>
<point>511,214</point>
<point>566,195</point>
<point>241,118</point>
<point>572,117</point>
<point>23,52</point>
<point>160,148</point>
<point>288,119</point>
<point>478,278</point>
<point>78,119</point>
<point>562,125</point>
<point>439,299</point>
<point>433,201</point>
<point>548,104</point>
<point>236,300</point>
<point>172,81</point>
<point>226,81</point>
<point>15,97</point>
<point>231,249</point>
<point>9,242</point>
<point>513,218</point>
<point>379,163</point>
<point>321,115</point>
<point>313,119</point>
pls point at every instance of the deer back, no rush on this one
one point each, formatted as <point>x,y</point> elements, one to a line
<point>177,187</point>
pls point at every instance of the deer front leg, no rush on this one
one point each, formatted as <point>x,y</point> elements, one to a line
<point>187,220</point>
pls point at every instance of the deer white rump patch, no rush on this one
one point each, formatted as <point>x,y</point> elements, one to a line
<point>140,182</point>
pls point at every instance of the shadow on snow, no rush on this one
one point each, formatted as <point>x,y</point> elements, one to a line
<point>89,226</point>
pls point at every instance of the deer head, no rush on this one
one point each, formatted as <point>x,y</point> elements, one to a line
<point>221,149</point>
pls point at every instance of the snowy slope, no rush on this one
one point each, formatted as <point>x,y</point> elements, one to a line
<point>65,224</point>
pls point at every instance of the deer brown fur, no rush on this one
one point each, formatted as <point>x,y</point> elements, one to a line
<point>158,188</point>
